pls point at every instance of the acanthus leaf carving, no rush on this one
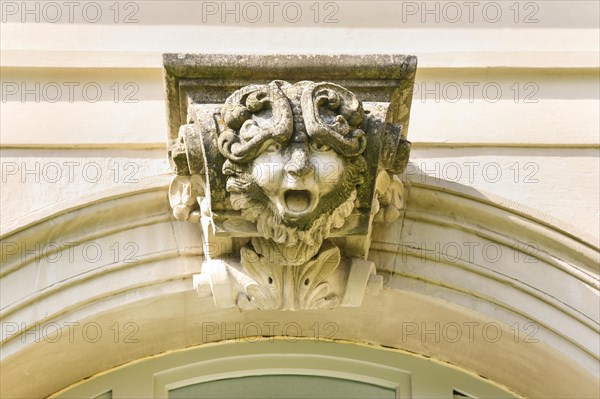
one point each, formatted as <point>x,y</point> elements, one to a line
<point>302,286</point>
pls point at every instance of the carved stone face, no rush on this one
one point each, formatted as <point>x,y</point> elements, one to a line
<point>294,152</point>
<point>296,176</point>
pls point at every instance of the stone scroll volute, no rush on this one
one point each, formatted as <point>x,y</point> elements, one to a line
<point>286,178</point>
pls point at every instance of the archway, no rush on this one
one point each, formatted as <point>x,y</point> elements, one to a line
<point>524,320</point>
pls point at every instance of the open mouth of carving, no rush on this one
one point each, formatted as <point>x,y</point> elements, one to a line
<point>297,200</point>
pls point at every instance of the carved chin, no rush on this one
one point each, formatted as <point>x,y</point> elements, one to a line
<point>293,204</point>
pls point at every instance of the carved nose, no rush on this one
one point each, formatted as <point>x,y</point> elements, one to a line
<point>298,164</point>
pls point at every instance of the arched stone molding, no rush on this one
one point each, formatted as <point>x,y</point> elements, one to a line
<point>406,374</point>
<point>552,300</point>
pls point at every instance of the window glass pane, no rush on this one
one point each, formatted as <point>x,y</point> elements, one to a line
<point>282,386</point>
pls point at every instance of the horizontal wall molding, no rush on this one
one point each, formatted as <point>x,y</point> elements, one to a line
<point>514,60</point>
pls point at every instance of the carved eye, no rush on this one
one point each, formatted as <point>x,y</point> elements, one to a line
<point>273,147</point>
<point>319,147</point>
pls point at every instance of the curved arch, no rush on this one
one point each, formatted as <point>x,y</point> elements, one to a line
<point>402,373</point>
<point>524,319</point>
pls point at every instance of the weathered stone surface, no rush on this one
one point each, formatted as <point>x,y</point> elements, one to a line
<point>295,173</point>
<point>211,78</point>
